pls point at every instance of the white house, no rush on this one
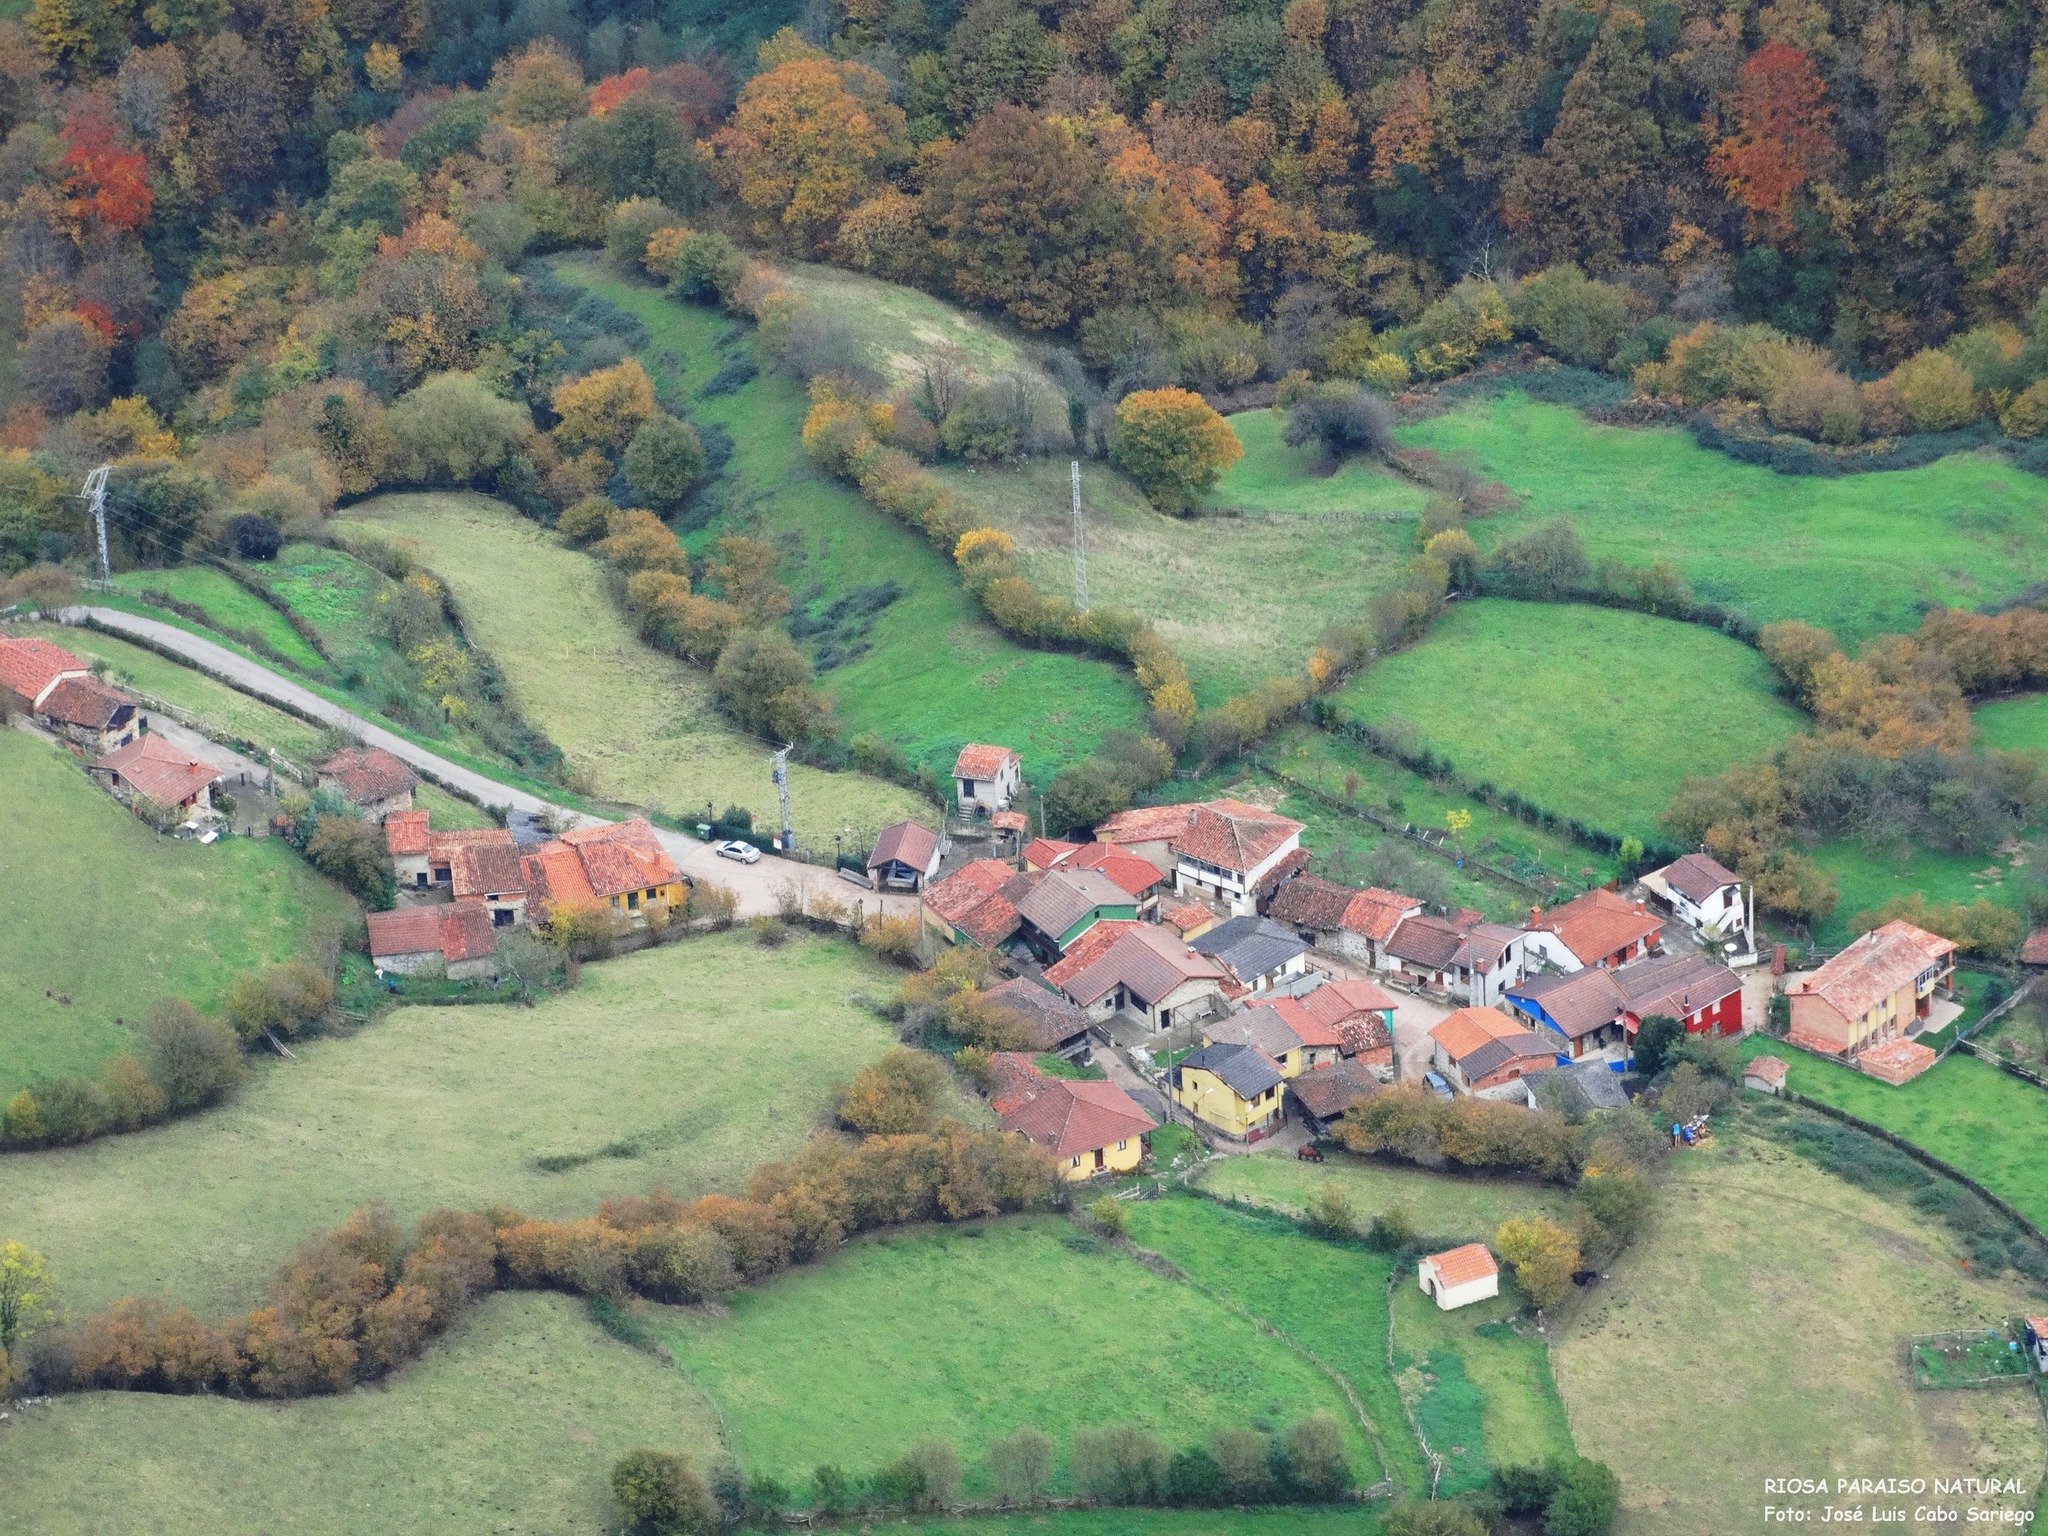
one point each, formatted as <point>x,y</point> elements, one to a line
<point>1459,1277</point>
<point>987,778</point>
<point>1464,955</point>
<point>2037,1338</point>
<point>1706,896</point>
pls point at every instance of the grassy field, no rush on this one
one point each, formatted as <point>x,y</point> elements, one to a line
<point>221,708</point>
<point>1241,597</point>
<point>1355,1521</point>
<point>449,813</point>
<point>2016,725</point>
<point>97,908</point>
<point>1965,1111</point>
<point>1590,712</point>
<point>898,327</point>
<point>1869,877</point>
<point>1855,554</point>
<point>227,606</point>
<point>337,594</point>
<point>510,1424</point>
<point>638,726</point>
<point>1443,1206</point>
<point>973,1332</point>
<point>695,1055</point>
<point>935,673</point>
<point>1758,1327</point>
<point>1329,1298</point>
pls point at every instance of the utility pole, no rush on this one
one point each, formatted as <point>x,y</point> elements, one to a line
<point>1080,547</point>
<point>95,498</point>
<point>779,771</point>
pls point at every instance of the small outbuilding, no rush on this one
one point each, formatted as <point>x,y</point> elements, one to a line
<point>987,778</point>
<point>1459,1277</point>
<point>1766,1074</point>
<point>2035,1331</point>
<point>150,768</point>
<point>906,856</point>
<point>372,780</point>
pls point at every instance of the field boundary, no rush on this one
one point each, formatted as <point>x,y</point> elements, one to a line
<point>1436,1461</point>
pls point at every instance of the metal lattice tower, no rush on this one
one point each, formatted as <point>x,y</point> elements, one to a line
<point>94,495</point>
<point>779,771</point>
<point>1080,548</point>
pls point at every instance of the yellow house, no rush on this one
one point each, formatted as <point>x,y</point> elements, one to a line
<point>1283,1029</point>
<point>1088,1127</point>
<point>620,864</point>
<point>1239,1089</point>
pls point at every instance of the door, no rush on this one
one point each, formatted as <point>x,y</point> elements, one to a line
<point>1098,1159</point>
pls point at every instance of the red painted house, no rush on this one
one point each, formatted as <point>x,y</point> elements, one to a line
<point>1704,996</point>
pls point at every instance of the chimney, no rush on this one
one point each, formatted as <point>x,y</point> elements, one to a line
<point>1535,916</point>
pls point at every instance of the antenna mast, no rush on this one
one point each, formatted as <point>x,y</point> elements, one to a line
<point>779,766</point>
<point>1080,548</point>
<point>95,498</point>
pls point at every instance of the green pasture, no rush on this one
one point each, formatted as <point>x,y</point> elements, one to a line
<point>898,327</point>
<point>1443,1206</point>
<point>1596,713</point>
<point>936,674</point>
<point>1243,589</point>
<point>1992,1126</point>
<point>1760,1323</point>
<point>635,725</point>
<point>97,908</point>
<point>684,1066</point>
<point>449,813</point>
<point>511,1423</point>
<point>336,594</point>
<point>2016,725</point>
<point>1857,554</point>
<point>1868,877</point>
<point>226,603</point>
<point>969,1333</point>
<point>1329,1298</point>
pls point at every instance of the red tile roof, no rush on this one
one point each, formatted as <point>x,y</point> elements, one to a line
<point>1464,1031</point>
<point>86,702</point>
<point>1089,948</point>
<point>28,666</point>
<point>2035,950</point>
<point>1598,924</point>
<point>1376,913</point>
<point>151,766</point>
<point>486,869</point>
<point>1697,876</point>
<point>952,898</point>
<point>977,761</point>
<point>467,932</point>
<point>622,856</point>
<point>1896,1061</point>
<point>1065,1117</point>
<point>1770,1069</point>
<point>1308,901</point>
<point>1312,1027</point>
<point>407,931</point>
<point>1047,851</point>
<point>1329,1091</point>
<point>1461,1266</point>
<point>554,876</point>
<point>368,774</point>
<point>1146,824</point>
<point>1874,967</point>
<point>1134,874</point>
<point>406,833</point>
<point>442,845</point>
<point>1189,914</point>
<point>1148,961</point>
<point>1234,836</point>
<point>1010,821</point>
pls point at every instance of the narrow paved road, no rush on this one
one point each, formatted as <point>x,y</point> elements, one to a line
<point>757,885</point>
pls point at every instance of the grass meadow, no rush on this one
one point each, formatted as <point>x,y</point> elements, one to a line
<point>897,327</point>
<point>2015,725</point>
<point>97,908</point>
<point>1758,1326</point>
<point>511,1423</point>
<point>968,1333</point>
<point>935,673</point>
<point>1443,1206</point>
<point>1856,554</point>
<point>227,605</point>
<point>1868,877</point>
<point>1591,712</point>
<point>635,725</point>
<point>1992,1126</point>
<point>336,594</point>
<point>683,1066</point>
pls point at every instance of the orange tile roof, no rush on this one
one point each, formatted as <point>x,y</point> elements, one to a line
<point>1089,948</point>
<point>442,845</point>
<point>85,701</point>
<point>28,665</point>
<point>1771,1069</point>
<point>152,767</point>
<point>487,869</point>
<point>1598,924</point>
<point>1146,824</point>
<point>1190,914</point>
<point>1047,851</point>
<point>1376,913</point>
<point>554,876</point>
<point>1896,1061</point>
<point>467,932</point>
<point>966,888</point>
<point>407,931</point>
<point>977,761</point>
<point>1010,821</point>
<point>1234,836</point>
<point>1335,1001</point>
<point>1127,870</point>
<point>1065,1117</point>
<point>1465,1031</point>
<point>1460,1266</point>
<point>369,773</point>
<point>1312,1027</point>
<point>622,856</point>
<point>406,833</point>
<point>1873,968</point>
<point>2035,950</point>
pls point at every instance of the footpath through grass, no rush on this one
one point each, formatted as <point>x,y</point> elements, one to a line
<point>1857,554</point>
<point>96,908</point>
<point>973,1332</point>
<point>934,674</point>
<point>1989,1124</point>
<point>1759,1325</point>
<point>635,725</point>
<point>1590,712</point>
<point>684,1066</point>
<point>512,1423</point>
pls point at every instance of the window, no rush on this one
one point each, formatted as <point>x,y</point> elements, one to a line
<point>1122,1144</point>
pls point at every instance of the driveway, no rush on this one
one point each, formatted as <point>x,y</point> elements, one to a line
<point>758,886</point>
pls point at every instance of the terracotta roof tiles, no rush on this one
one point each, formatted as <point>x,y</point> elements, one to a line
<point>1598,924</point>
<point>1461,1266</point>
<point>1697,876</point>
<point>406,833</point>
<point>1069,1118</point>
<point>86,702</point>
<point>369,774</point>
<point>29,665</point>
<point>907,842</point>
<point>977,761</point>
<point>152,767</point>
<point>1874,967</point>
<point>1234,836</point>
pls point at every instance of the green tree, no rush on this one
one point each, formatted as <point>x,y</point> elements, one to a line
<point>1109,1214</point>
<point>664,459</point>
<point>1172,442</point>
<point>28,1295</point>
<point>765,681</point>
<point>1586,1502</point>
<point>281,999</point>
<point>660,1494</point>
<point>193,1059</point>
<point>1543,1254</point>
<point>1657,1038</point>
<point>351,852</point>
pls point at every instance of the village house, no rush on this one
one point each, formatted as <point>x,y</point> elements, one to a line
<point>1488,1054</point>
<point>457,940</point>
<point>987,779</point>
<point>1057,1027</point>
<point>905,858</point>
<point>443,846</point>
<point>1766,1074</point>
<point>1706,896</point>
<point>1188,919</point>
<point>1596,1011</point>
<point>493,875</point>
<point>407,838</point>
<point>1325,1096</point>
<point>1062,906</point>
<point>1459,1277</point>
<point>1136,876</point>
<point>1088,1127</point>
<point>1362,1016</point>
<point>618,864</point>
<point>1598,928</point>
<point>370,779</point>
<point>1463,954</point>
<point>1238,1089</point>
<point>1347,922</point>
<point>1585,1009</point>
<point>1219,851</point>
<point>1258,952</point>
<point>150,768</point>
<point>1042,853</point>
<point>1142,970</point>
<point>44,680</point>
<point>1878,989</point>
<point>977,903</point>
<point>1266,1030</point>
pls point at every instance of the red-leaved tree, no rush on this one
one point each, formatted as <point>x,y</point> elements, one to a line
<point>1780,140</point>
<point>108,182</point>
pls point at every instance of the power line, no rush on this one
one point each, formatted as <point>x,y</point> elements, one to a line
<point>94,495</point>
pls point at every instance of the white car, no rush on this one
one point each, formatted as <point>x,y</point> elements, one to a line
<point>746,853</point>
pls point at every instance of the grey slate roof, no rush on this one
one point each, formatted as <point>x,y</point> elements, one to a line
<point>1260,1027</point>
<point>1064,897</point>
<point>1245,1070</point>
<point>1250,946</point>
<point>1053,1018</point>
<point>1498,1053</point>
<point>1601,1087</point>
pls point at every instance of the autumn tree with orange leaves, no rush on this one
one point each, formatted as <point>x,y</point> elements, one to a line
<point>1780,139</point>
